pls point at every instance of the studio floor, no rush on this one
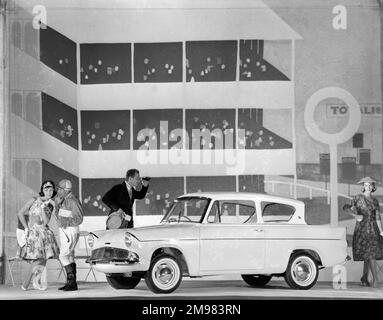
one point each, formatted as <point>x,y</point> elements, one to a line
<point>197,289</point>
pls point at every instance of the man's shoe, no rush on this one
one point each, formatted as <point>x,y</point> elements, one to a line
<point>64,287</point>
<point>72,284</point>
<point>68,270</point>
<point>71,287</point>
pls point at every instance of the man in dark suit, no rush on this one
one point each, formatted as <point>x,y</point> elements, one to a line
<point>121,197</point>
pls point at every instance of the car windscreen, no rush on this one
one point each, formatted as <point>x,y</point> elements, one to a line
<point>187,209</point>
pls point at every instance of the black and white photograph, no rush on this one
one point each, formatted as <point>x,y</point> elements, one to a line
<point>210,151</point>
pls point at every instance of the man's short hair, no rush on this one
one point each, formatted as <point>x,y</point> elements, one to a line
<point>131,173</point>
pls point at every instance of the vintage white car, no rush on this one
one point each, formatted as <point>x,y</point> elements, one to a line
<point>257,236</point>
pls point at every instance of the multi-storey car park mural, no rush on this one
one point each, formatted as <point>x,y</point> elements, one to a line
<point>85,91</point>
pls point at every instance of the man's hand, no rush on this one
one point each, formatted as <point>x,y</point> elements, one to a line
<point>126,216</point>
<point>145,183</point>
<point>358,217</point>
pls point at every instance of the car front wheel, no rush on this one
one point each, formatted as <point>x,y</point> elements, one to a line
<point>256,280</point>
<point>164,274</point>
<point>302,271</point>
<point>120,281</point>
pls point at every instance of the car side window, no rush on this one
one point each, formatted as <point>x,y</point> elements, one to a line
<point>276,212</point>
<point>233,211</point>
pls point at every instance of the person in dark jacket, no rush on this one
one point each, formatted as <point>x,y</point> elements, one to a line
<point>120,198</point>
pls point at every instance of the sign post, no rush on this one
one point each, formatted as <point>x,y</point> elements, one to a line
<point>332,139</point>
<point>324,164</point>
<point>348,170</point>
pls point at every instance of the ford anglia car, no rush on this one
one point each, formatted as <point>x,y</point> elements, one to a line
<point>257,236</point>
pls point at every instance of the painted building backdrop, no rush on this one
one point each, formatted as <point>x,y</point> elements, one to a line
<point>95,91</point>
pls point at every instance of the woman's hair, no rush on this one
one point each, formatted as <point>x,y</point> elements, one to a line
<point>41,193</point>
<point>373,187</point>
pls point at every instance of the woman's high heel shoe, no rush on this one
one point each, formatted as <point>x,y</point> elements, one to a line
<point>365,282</point>
<point>37,284</point>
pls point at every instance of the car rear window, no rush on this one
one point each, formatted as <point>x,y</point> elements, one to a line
<point>276,212</point>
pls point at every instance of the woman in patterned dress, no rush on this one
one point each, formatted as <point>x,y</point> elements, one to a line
<point>40,243</point>
<point>367,243</point>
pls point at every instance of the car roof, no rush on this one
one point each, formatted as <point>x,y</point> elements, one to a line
<point>243,196</point>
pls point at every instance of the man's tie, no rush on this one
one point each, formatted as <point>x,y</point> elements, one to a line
<point>130,193</point>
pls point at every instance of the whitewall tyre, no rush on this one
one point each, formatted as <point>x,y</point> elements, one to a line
<point>302,271</point>
<point>164,274</point>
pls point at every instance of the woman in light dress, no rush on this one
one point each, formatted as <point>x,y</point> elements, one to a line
<point>40,243</point>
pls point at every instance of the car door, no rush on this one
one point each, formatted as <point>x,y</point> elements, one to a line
<point>279,235</point>
<point>231,239</point>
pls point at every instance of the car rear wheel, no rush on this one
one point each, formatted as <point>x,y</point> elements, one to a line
<point>302,271</point>
<point>256,280</point>
<point>164,274</point>
<point>120,281</point>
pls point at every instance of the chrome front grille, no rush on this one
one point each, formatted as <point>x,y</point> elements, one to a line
<point>109,254</point>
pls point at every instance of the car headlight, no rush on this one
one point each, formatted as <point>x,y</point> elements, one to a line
<point>128,239</point>
<point>90,240</point>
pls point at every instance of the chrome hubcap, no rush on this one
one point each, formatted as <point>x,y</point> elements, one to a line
<point>166,273</point>
<point>303,271</point>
